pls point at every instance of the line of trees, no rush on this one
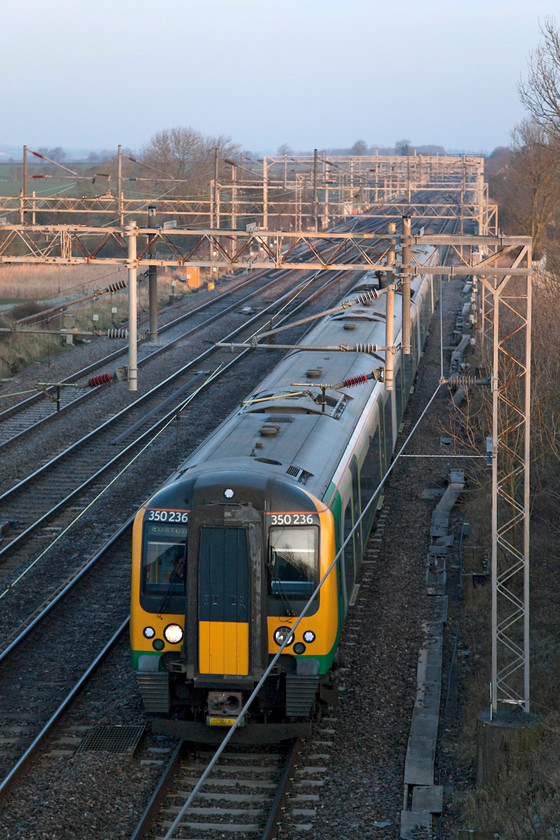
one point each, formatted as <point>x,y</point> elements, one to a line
<point>525,179</point>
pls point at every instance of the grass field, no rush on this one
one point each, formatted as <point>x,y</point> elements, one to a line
<point>48,282</point>
<point>11,178</point>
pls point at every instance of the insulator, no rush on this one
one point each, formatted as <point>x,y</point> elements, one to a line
<point>355,380</point>
<point>463,381</point>
<point>371,294</point>
<point>117,287</point>
<point>366,348</point>
<point>117,333</point>
<point>101,379</point>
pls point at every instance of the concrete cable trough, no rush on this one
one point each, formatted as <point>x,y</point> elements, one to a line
<point>422,798</point>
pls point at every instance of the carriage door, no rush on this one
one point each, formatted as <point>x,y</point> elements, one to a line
<point>224,625</point>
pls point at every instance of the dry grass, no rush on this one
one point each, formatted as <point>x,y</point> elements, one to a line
<point>19,351</point>
<point>525,802</point>
<point>45,282</point>
<point>48,282</point>
<point>65,286</point>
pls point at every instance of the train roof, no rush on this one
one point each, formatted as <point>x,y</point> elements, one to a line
<point>293,427</point>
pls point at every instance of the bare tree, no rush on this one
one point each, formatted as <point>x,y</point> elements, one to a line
<point>540,93</point>
<point>359,148</point>
<point>526,183</point>
<point>403,147</point>
<point>188,156</point>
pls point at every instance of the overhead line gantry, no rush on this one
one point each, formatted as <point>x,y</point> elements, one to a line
<point>501,264</point>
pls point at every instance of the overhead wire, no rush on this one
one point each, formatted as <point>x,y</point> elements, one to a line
<point>272,663</point>
<point>76,519</point>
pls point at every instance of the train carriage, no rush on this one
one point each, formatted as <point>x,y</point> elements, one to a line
<point>226,555</point>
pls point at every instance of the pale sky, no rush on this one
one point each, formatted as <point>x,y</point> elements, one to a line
<point>311,73</point>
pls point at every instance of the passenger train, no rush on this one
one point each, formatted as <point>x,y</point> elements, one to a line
<point>226,555</point>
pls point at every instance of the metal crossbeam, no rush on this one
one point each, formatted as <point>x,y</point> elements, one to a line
<point>298,190</point>
<point>232,249</point>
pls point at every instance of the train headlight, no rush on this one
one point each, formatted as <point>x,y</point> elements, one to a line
<point>158,644</point>
<point>282,633</point>
<point>173,634</point>
<point>309,636</point>
<point>299,647</point>
<point>149,632</point>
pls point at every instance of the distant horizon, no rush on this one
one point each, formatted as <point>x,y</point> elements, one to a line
<point>80,155</point>
<point>265,74</point>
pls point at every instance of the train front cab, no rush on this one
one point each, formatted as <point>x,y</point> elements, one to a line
<point>248,575</point>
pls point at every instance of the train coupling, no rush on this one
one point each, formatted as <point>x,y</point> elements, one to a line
<point>224,708</point>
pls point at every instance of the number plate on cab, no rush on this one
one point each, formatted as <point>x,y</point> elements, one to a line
<point>293,518</point>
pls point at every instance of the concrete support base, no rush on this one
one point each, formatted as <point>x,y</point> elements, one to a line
<point>500,740</point>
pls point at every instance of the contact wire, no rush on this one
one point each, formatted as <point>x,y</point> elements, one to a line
<point>70,525</point>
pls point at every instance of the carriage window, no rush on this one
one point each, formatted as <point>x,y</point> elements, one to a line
<point>293,561</point>
<point>164,558</point>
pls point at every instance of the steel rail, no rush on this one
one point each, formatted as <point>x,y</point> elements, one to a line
<point>29,401</point>
<point>112,420</point>
<point>28,754</point>
<point>19,634</point>
<point>164,786</point>
<point>284,785</point>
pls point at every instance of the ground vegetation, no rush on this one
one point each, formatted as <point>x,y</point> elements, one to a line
<point>524,802</point>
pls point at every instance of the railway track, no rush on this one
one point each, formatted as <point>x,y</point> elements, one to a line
<point>48,676</point>
<point>55,652</point>
<point>249,791</point>
<point>242,796</point>
<point>27,580</point>
<point>45,405</point>
<point>53,629</point>
<point>248,786</point>
<point>35,500</point>
<point>53,486</point>
<point>44,669</point>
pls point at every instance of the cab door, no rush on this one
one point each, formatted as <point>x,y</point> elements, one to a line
<point>223,600</point>
<point>225,620</point>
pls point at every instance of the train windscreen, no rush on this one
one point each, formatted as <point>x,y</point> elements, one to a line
<point>292,568</point>
<point>164,554</point>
